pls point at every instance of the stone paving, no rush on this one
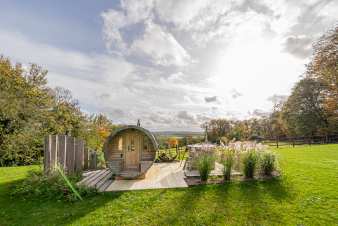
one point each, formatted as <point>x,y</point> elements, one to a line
<point>160,175</point>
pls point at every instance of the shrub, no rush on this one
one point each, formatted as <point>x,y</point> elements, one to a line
<point>228,163</point>
<point>101,162</point>
<point>267,163</point>
<point>205,165</point>
<point>250,161</point>
<point>53,187</point>
<point>167,155</point>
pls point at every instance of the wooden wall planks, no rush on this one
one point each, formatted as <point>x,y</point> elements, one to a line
<point>70,153</point>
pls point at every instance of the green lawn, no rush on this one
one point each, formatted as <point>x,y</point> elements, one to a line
<point>307,194</point>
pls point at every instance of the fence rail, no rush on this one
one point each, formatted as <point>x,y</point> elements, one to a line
<point>69,153</point>
<point>293,141</point>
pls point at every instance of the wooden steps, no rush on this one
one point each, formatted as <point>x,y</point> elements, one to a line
<point>96,179</point>
<point>115,165</point>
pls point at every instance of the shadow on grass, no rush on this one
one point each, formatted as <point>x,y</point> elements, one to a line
<point>262,200</point>
<point>18,210</point>
<point>250,202</point>
<point>184,206</point>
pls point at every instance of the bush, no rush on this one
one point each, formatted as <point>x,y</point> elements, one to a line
<point>250,161</point>
<point>101,162</point>
<point>53,187</point>
<point>167,155</point>
<point>267,163</point>
<point>205,165</point>
<point>228,163</point>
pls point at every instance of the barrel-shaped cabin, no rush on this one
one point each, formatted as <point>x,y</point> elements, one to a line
<point>130,151</point>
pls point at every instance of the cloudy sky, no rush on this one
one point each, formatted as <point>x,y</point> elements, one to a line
<point>172,64</point>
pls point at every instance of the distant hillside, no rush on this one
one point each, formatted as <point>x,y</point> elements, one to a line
<point>178,133</point>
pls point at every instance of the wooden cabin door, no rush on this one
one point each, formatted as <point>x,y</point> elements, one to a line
<point>132,152</point>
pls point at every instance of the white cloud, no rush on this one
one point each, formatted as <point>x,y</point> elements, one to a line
<point>112,21</point>
<point>156,44</point>
<point>181,12</point>
<point>137,10</point>
<point>160,46</point>
<point>166,59</point>
<point>103,83</point>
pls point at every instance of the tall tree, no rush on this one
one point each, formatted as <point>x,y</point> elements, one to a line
<point>217,128</point>
<point>304,110</point>
<point>324,69</point>
<point>24,100</point>
<point>30,110</point>
<point>98,129</point>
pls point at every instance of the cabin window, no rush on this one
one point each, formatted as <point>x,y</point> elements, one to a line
<point>119,144</point>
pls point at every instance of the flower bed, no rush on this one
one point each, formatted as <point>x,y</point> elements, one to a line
<point>240,161</point>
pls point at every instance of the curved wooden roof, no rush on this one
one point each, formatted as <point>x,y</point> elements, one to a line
<point>139,128</point>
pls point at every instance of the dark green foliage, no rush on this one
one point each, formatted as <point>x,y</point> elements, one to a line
<point>304,112</point>
<point>24,100</point>
<point>69,183</point>
<point>250,162</point>
<point>205,165</point>
<point>267,163</point>
<point>52,187</point>
<point>30,110</point>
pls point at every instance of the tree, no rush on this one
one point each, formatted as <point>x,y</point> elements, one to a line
<point>172,142</point>
<point>324,69</point>
<point>30,110</point>
<point>217,128</point>
<point>240,130</point>
<point>304,110</point>
<point>24,100</point>
<point>98,129</point>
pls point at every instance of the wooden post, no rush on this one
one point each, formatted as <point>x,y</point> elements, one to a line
<point>46,159</point>
<point>79,146</point>
<point>85,158</point>
<point>53,152</point>
<point>70,157</point>
<point>61,151</point>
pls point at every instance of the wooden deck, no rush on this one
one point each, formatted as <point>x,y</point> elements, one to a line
<point>99,179</point>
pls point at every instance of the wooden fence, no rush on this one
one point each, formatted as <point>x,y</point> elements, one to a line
<point>69,153</point>
<point>293,141</point>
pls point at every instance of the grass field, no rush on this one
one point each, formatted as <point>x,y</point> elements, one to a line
<point>306,194</point>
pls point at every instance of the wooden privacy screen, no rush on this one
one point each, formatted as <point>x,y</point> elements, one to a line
<point>69,153</point>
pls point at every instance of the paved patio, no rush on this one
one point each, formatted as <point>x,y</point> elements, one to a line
<point>160,175</point>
